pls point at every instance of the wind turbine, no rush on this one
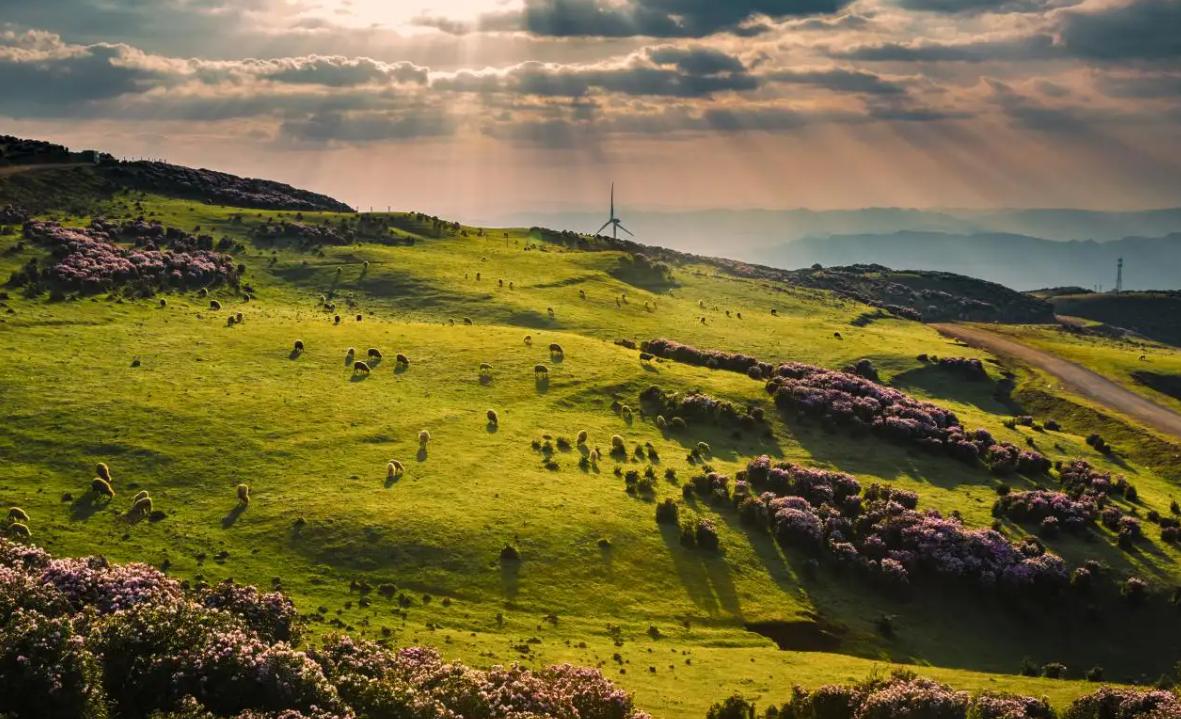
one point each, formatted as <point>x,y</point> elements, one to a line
<point>614,223</point>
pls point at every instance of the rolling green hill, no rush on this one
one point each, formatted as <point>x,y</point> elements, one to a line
<point>182,402</point>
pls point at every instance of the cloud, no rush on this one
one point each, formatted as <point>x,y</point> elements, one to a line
<point>640,18</point>
<point>1141,85</point>
<point>968,7</point>
<point>337,127</point>
<point>1139,30</point>
<point>655,72</point>
<point>341,71</point>
<point>839,80</point>
<point>999,49</point>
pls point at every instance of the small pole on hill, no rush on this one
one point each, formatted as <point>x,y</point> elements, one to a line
<point>1119,276</point>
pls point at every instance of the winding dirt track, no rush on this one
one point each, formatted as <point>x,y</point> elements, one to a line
<point>1076,377</point>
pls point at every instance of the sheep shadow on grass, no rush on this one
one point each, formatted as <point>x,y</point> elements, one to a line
<point>492,428</point>
<point>400,368</point>
<point>232,516</point>
<point>510,577</point>
<point>421,456</point>
<point>485,379</point>
<point>359,377</point>
<point>294,354</point>
<point>88,505</point>
<point>541,384</point>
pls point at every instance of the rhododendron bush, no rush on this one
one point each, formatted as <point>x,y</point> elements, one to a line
<point>90,261</point>
<point>883,533</point>
<point>904,695</point>
<point>85,638</point>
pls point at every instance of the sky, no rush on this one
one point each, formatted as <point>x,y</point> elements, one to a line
<point>475,108</point>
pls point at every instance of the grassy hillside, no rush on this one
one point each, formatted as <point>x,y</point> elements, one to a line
<point>186,406</point>
<point>1153,315</point>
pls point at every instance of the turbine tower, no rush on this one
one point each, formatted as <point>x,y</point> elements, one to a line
<point>614,223</point>
<point>1119,276</point>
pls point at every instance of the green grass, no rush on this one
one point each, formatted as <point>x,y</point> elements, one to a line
<point>211,406</point>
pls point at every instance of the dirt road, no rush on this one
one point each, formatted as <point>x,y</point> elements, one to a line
<point>1076,377</point>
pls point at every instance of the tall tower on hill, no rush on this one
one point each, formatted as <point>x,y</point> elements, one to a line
<point>1119,276</point>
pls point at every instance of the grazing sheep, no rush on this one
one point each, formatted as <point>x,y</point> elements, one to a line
<point>299,345</point>
<point>103,471</point>
<point>739,315</point>
<point>702,320</point>
<point>17,529</point>
<point>775,312</point>
<point>365,265</point>
<point>493,418</point>
<point>467,321</point>
<point>661,422</point>
<point>511,286</point>
<point>424,437</point>
<point>336,320</point>
<point>16,514</point>
<point>617,444</point>
<point>701,304</point>
<point>243,494</point>
<point>98,485</point>
<point>143,493</point>
<point>556,349</point>
<point>238,317</point>
<point>402,360</point>
<point>142,506</point>
<point>230,321</point>
<point>582,437</point>
<point>394,469</point>
<point>202,293</point>
<point>360,367</point>
<point>703,448</point>
<point>485,369</point>
<point>374,353</point>
<point>550,312</point>
<point>500,282</point>
<point>646,357</point>
<point>351,353</point>
<point>1143,358</point>
<point>582,294</point>
<point>358,318</point>
<point>528,340</point>
<point>214,305</point>
<point>163,303</point>
<point>541,370</point>
<point>837,335</point>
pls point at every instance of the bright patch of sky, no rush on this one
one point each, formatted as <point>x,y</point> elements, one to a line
<point>399,14</point>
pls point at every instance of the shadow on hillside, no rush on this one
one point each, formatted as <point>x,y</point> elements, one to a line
<point>541,384</point>
<point>232,516</point>
<point>421,455</point>
<point>510,578</point>
<point>936,383</point>
<point>88,505</point>
<point>705,575</point>
<point>295,354</point>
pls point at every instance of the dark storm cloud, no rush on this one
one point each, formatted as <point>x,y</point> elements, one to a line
<point>1139,30</point>
<point>641,18</point>
<point>1020,48</point>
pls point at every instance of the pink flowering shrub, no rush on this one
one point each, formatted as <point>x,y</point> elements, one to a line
<point>967,367</point>
<point>715,359</point>
<point>88,260</point>
<point>883,533</point>
<point>1113,703</point>
<point>1036,506</point>
<point>84,638</point>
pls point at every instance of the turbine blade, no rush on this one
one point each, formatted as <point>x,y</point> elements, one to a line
<point>613,200</point>
<point>625,229</point>
<point>605,224</point>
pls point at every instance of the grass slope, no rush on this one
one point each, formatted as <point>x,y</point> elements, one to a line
<point>210,406</point>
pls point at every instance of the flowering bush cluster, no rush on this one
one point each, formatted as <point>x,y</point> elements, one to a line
<point>700,408</point>
<point>903,694</point>
<point>883,533</point>
<point>326,234</point>
<point>714,359</point>
<point>1038,505</point>
<point>846,400</point>
<point>84,638</point>
<point>1079,479</point>
<point>89,260</point>
<point>222,188</point>
<point>967,367</point>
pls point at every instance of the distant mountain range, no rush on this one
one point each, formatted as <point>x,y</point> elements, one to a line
<point>1017,261</point>
<point>1022,249</point>
<point>747,234</point>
